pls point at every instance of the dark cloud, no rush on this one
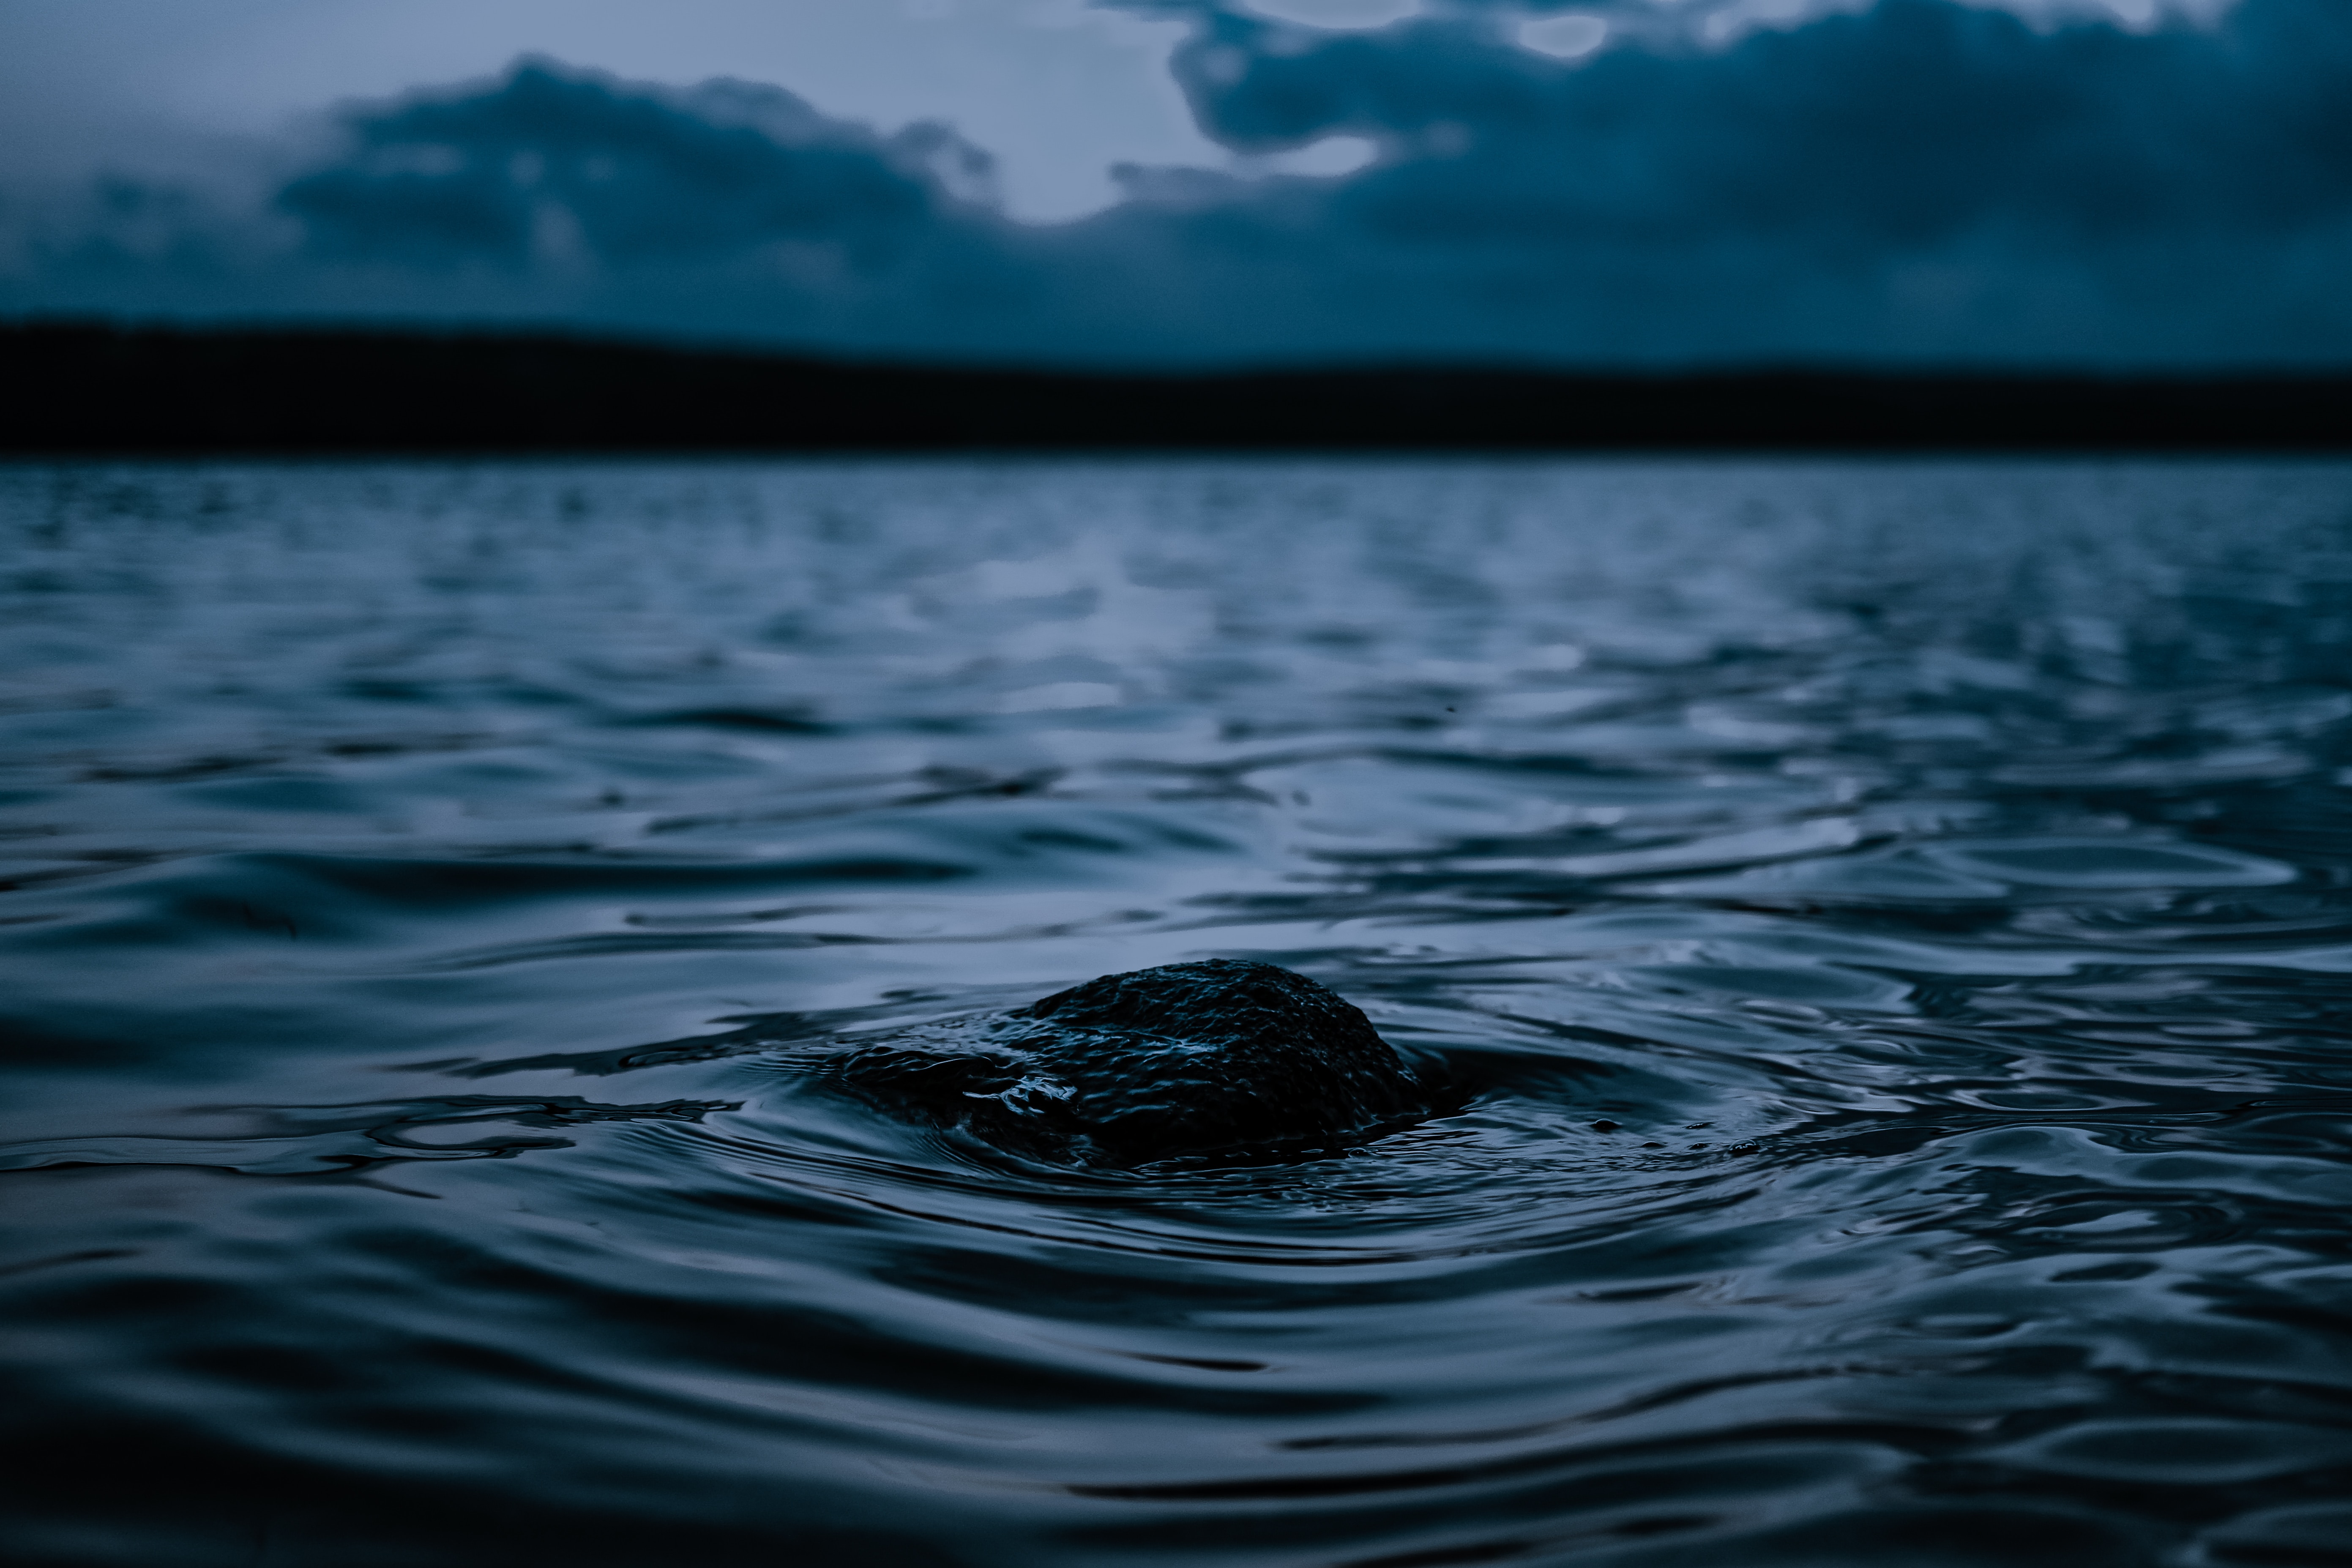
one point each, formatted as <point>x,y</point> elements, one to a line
<point>1903,125</point>
<point>628,174</point>
<point>1919,180</point>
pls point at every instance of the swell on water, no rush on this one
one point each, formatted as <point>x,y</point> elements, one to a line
<point>1894,920</point>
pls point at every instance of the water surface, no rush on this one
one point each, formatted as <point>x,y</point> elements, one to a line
<point>1898,915</point>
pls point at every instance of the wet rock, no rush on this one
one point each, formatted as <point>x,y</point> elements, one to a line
<point>1221,1059</point>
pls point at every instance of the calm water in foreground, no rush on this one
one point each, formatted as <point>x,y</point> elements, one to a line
<point>1900,916</point>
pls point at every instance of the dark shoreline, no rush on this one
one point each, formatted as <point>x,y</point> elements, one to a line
<point>96,389</point>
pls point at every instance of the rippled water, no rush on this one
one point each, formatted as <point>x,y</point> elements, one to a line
<point>1898,915</point>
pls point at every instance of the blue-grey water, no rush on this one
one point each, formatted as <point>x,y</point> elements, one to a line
<point>1898,917</point>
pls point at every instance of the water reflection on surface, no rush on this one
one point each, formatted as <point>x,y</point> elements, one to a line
<point>1894,915</point>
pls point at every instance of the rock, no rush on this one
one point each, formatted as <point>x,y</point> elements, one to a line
<point>1221,1058</point>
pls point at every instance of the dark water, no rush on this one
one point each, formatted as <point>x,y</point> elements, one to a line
<point>429,886</point>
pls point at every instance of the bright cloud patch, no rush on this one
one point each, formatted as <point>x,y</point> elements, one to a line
<point>1328,159</point>
<point>1564,38</point>
<point>1341,14</point>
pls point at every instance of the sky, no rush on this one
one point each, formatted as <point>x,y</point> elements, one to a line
<point>1058,89</point>
<point>2077,184</point>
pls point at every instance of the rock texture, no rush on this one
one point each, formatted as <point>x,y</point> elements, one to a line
<point>1219,1058</point>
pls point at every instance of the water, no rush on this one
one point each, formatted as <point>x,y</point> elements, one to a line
<point>1898,915</point>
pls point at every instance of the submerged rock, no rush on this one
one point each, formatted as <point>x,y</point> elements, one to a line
<point>1219,1058</point>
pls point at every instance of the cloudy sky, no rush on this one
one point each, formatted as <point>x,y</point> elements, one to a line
<point>2082,182</point>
